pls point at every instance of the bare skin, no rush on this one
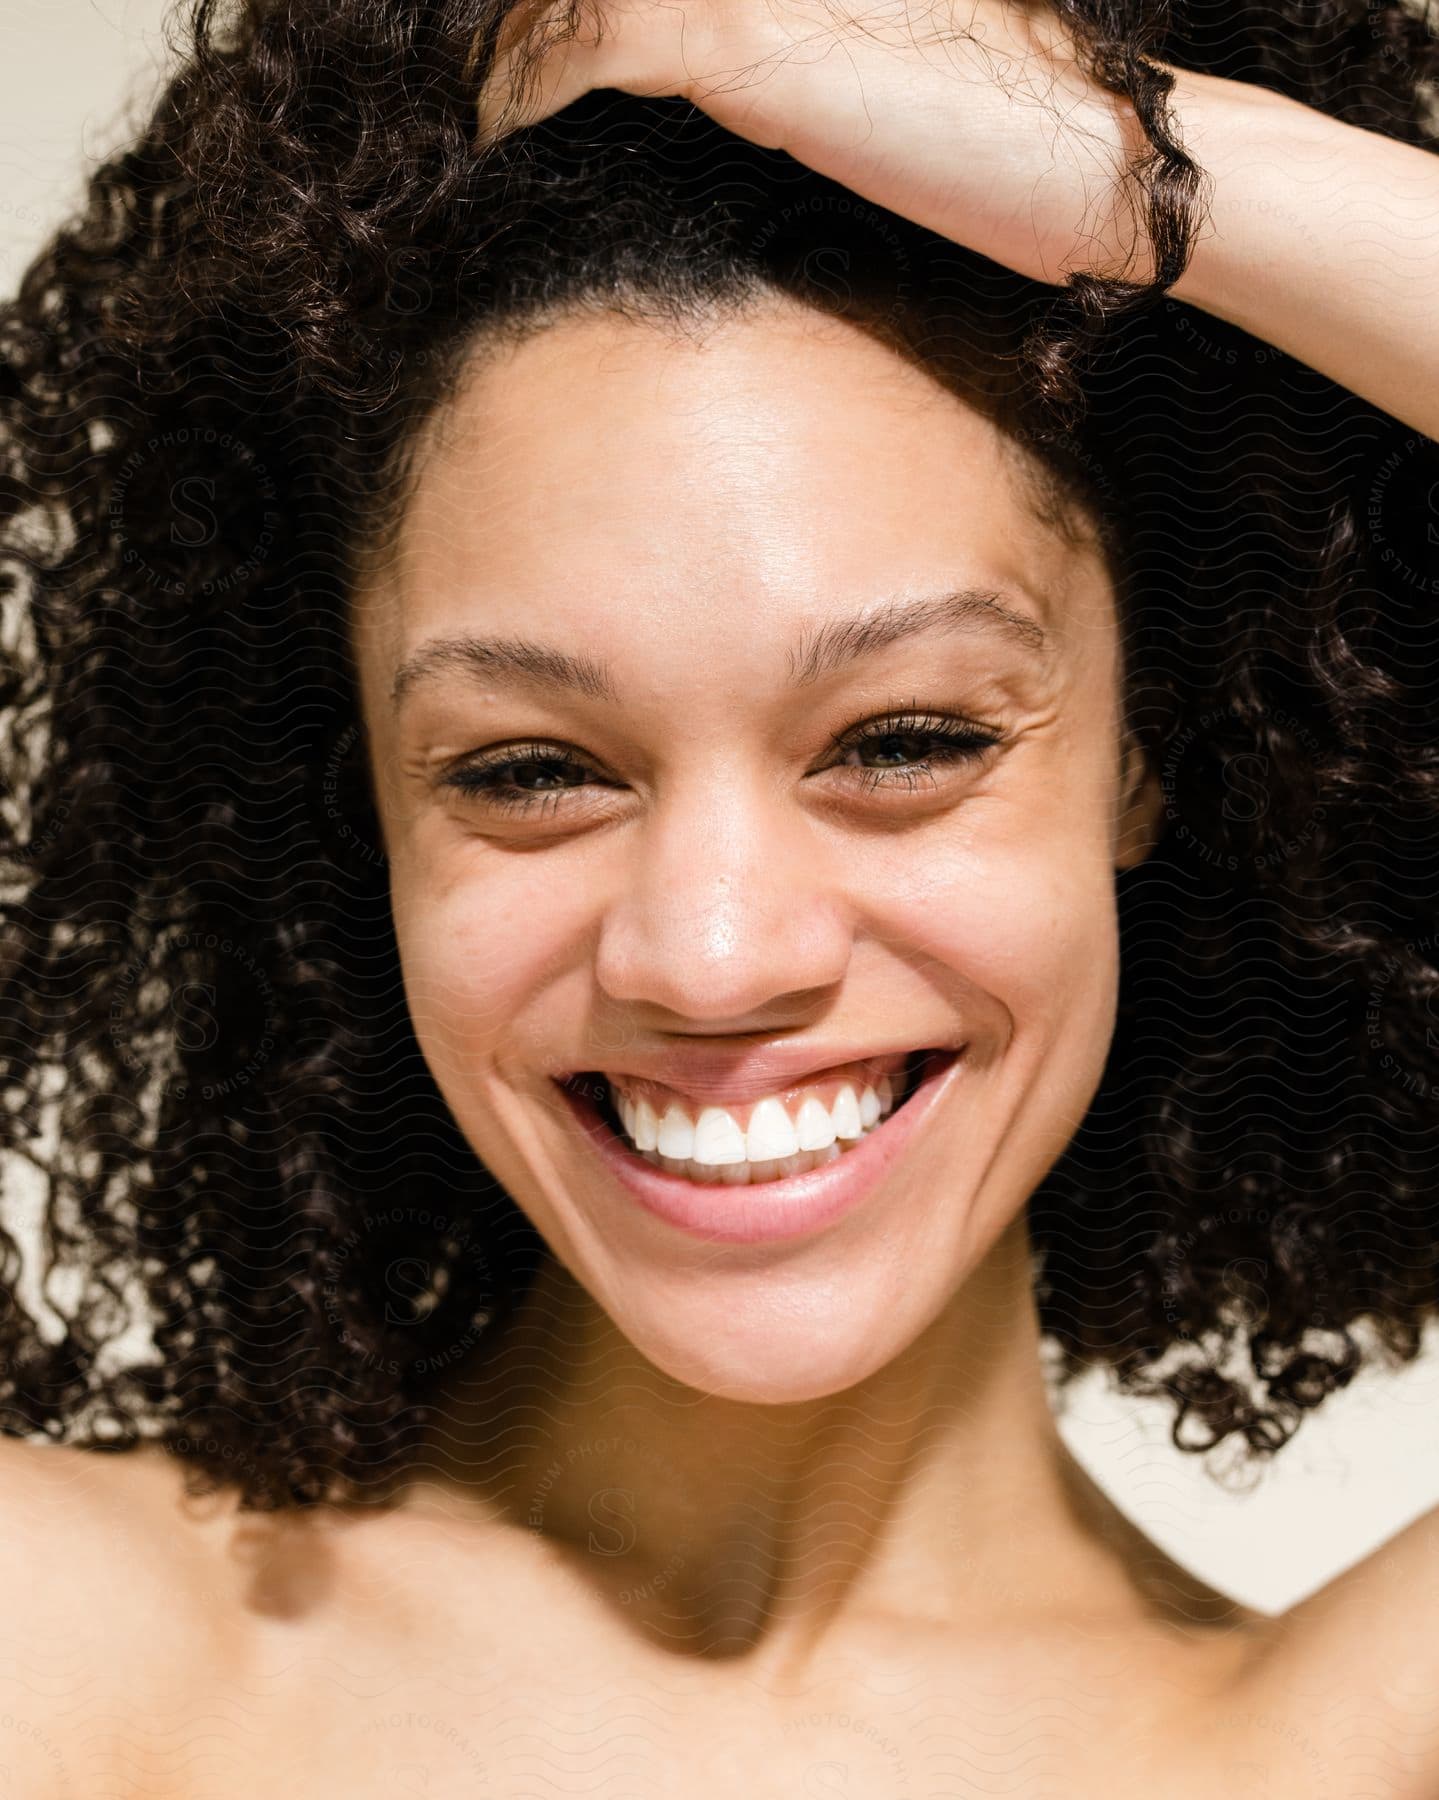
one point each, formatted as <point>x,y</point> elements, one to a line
<point>777,1518</point>
<point>219,1651</point>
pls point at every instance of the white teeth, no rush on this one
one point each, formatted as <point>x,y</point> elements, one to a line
<point>747,1173</point>
<point>847,1120</point>
<point>715,1148</point>
<point>718,1138</point>
<point>816,1126</point>
<point>771,1133</point>
<point>677,1135</point>
<point>642,1125</point>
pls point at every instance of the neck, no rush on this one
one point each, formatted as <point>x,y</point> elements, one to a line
<point>936,1491</point>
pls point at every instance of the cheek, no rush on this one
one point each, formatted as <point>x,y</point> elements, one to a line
<point>1019,932</point>
<point>482,948</point>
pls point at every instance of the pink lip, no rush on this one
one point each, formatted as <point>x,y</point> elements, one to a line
<point>768,1211</point>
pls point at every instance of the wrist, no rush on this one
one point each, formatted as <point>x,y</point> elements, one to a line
<point>1263,160</point>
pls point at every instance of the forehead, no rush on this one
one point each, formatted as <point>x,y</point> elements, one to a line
<point>606,479</point>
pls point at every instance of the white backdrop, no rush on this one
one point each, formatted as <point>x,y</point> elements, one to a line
<point>75,77</point>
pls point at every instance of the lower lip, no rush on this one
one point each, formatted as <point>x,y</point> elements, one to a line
<point>767,1211</point>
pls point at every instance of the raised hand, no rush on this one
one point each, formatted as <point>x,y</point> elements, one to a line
<point>971,117</point>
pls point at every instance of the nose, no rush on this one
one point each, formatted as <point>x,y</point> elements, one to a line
<point>730,912</point>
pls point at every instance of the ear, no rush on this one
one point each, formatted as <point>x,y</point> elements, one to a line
<point>1140,821</point>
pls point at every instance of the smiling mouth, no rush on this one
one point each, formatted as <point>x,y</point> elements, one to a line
<point>593,1089</point>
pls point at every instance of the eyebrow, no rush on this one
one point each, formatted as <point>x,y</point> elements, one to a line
<point>832,646</point>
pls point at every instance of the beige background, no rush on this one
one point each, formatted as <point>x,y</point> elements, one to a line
<point>75,75</point>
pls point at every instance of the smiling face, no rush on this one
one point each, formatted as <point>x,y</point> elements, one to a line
<point>642,559</point>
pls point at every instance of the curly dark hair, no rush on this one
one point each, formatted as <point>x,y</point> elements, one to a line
<point>208,384</point>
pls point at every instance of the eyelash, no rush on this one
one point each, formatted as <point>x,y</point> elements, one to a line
<point>960,742</point>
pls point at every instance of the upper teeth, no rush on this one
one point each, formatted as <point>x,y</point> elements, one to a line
<point>715,1135</point>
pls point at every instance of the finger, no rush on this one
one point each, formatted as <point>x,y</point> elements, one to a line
<point>565,51</point>
<point>528,82</point>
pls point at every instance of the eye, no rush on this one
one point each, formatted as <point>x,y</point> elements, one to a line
<point>533,779</point>
<point>915,746</point>
<point>524,778</point>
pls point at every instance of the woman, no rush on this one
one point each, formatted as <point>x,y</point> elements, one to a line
<point>669,817</point>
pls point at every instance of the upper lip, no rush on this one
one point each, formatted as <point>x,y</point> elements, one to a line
<point>716,1077</point>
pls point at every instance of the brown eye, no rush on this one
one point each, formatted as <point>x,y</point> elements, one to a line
<point>524,779</point>
<point>913,747</point>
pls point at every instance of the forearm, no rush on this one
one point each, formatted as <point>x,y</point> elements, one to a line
<point>1322,239</point>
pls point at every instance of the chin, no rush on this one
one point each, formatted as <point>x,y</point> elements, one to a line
<point>787,1343</point>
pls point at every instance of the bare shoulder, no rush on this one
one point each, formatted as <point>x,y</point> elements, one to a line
<point>102,1613</point>
<point>85,1512</point>
<point>1349,1678</point>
